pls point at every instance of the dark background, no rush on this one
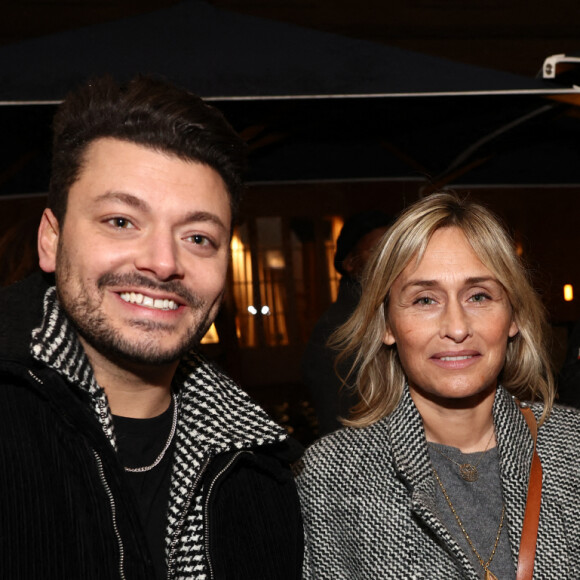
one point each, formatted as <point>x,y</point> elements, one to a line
<point>511,36</point>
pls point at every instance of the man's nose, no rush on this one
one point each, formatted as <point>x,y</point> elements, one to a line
<point>159,255</point>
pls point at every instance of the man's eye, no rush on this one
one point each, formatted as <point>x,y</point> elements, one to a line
<point>120,223</point>
<point>199,240</point>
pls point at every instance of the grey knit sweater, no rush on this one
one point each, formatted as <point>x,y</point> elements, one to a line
<point>368,498</point>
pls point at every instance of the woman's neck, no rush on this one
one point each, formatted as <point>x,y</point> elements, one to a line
<point>457,424</point>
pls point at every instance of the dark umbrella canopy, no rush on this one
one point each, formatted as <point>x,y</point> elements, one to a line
<point>224,55</point>
<point>317,106</point>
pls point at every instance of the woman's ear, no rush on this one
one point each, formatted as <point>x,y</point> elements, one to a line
<point>389,338</point>
<point>48,235</point>
<point>514,329</point>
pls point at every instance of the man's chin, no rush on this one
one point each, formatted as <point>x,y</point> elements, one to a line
<point>134,354</point>
<point>157,349</point>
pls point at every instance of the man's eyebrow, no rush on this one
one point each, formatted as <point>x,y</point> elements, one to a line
<point>123,197</point>
<point>471,281</point>
<point>204,216</point>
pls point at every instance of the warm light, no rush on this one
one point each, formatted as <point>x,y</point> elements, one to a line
<point>252,310</point>
<point>275,259</point>
<point>568,292</point>
<point>211,336</point>
<point>265,310</point>
<point>337,223</point>
<point>236,244</point>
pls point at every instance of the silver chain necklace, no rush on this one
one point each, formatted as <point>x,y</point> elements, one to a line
<point>167,444</point>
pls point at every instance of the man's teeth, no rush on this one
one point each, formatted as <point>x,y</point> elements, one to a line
<point>159,303</point>
<point>450,358</point>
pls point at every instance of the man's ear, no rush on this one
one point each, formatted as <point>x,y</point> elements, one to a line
<point>48,234</point>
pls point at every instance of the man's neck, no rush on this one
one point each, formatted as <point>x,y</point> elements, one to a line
<point>133,390</point>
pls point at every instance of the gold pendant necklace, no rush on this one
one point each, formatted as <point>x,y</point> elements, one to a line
<point>485,565</point>
<point>468,471</point>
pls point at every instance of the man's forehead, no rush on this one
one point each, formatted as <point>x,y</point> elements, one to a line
<point>129,175</point>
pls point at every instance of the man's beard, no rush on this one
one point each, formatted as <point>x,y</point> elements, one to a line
<point>83,310</point>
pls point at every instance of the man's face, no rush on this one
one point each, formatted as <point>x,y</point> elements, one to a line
<point>141,258</point>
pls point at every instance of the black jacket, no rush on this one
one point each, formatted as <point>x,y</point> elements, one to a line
<point>66,511</point>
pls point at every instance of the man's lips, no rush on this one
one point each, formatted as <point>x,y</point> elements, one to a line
<point>149,301</point>
<point>141,291</point>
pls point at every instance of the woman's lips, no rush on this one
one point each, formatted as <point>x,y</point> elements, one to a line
<point>456,360</point>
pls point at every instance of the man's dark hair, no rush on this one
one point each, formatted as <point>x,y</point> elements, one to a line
<point>148,112</point>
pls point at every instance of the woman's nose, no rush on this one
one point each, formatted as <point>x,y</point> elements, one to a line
<point>455,323</point>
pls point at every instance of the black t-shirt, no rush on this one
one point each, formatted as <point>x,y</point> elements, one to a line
<point>140,441</point>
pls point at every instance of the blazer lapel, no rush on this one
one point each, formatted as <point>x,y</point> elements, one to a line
<point>515,449</point>
<point>411,455</point>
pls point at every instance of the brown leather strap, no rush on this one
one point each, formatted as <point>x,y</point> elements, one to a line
<point>532,515</point>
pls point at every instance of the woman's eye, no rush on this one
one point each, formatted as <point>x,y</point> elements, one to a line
<point>480,297</point>
<point>120,223</point>
<point>425,301</point>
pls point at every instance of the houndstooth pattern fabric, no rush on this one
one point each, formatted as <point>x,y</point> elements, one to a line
<point>55,343</point>
<point>215,416</point>
<point>368,498</point>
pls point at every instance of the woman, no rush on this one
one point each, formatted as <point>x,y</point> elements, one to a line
<point>430,477</point>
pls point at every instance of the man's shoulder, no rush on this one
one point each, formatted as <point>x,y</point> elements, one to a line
<point>273,460</point>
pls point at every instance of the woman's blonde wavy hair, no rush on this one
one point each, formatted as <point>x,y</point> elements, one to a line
<point>380,378</point>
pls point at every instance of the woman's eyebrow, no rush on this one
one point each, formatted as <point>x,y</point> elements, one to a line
<point>470,281</point>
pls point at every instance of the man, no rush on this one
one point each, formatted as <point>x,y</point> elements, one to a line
<point>358,237</point>
<point>123,453</point>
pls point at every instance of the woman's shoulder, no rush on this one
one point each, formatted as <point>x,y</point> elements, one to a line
<point>348,450</point>
<point>562,416</point>
<point>561,430</point>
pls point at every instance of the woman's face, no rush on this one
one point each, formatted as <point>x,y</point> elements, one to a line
<point>450,320</point>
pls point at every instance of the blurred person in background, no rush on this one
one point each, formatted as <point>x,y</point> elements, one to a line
<point>324,379</point>
<point>569,377</point>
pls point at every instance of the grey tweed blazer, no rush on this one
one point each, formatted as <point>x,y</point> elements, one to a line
<point>368,498</point>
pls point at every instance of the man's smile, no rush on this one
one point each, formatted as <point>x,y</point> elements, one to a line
<point>148,301</point>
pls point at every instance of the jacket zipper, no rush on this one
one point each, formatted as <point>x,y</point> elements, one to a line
<point>171,558</point>
<point>113,514</point>
<point>206,508</point>
<point>109,493</point>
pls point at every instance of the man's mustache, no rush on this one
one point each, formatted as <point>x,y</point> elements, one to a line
<point>137,280</point>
